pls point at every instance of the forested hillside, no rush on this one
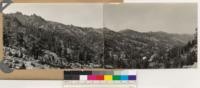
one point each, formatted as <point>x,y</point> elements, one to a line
<point>132,49</point>
<point>33,42</point>
<point>51,43</point>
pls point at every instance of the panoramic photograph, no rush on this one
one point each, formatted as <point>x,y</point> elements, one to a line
<point>96,36</point>
<point>150,35</point>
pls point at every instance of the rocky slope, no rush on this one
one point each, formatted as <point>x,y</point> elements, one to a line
<point>52,43</point>
<point>132,49</point>
<point>33,42</point>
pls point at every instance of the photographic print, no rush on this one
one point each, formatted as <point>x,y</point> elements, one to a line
<point>43,36</point>
<point>100,36</point>
<point>150,35</point>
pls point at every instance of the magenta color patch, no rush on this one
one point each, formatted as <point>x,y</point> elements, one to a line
<point>91,77</point>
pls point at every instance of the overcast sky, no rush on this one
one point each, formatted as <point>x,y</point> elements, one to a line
<point>85,15</point>
<point>172,18</point>
<point>143,17</point>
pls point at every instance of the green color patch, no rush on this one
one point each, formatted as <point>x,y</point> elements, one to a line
<point>116,77</point>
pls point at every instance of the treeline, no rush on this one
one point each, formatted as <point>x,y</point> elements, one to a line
<point>121,52</point>
<point>51,43</point>
<point>31,38</point>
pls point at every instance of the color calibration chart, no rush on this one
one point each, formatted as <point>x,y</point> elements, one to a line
<point>100,79</point>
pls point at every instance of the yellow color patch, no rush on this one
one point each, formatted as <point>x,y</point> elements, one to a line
<point>107,77</point>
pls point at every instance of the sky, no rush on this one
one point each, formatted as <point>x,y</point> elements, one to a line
<point>84,15</point>
<point>144,17</point>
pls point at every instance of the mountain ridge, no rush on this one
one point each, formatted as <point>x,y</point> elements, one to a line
<point>69,46</point>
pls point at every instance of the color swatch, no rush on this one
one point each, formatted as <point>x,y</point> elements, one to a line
<point>100,75</point>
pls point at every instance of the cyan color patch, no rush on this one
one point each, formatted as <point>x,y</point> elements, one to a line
<point>124,77</point>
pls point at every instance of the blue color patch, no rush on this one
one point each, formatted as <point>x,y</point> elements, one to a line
<point>132,77</point>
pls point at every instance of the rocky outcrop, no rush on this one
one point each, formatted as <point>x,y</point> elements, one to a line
<point>33,42</point>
